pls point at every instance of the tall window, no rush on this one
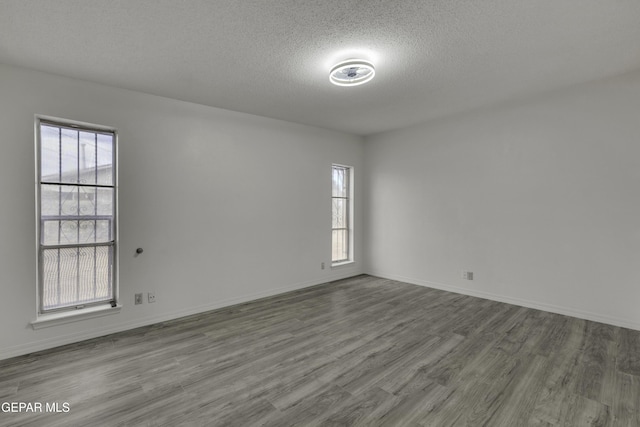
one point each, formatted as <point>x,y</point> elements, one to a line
<point>76,215</point>
<point>341,248</point>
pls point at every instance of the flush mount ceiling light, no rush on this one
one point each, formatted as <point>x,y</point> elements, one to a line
<point>352,72</point>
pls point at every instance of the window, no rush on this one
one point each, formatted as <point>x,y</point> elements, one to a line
<point>76,212</point>
<point>341,231</point>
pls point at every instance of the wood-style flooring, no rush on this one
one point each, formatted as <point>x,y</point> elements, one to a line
<point>361,351</point>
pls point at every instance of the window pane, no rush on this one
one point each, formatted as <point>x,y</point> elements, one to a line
<point>94,273</point>
<point>340,245</point>
<point>340,182</point>
<point>105,159</point>
<point>104,201</point>
<point>69,164</point>
<point>58,232</point>
<point>50,153</point>
<point>68,199</point>
<point>71,200</point>
<point>50,232</point>
<point>339,217</point>
<point>104,230</point>
<point>87,157</point>
<point>73,276</point>
<point>50,200</point>
<point>59,200</point>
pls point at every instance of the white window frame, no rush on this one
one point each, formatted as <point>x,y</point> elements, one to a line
<point>45,318</point>
<point>350,216</point>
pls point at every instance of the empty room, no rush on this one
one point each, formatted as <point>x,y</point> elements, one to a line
<point>320,213</point>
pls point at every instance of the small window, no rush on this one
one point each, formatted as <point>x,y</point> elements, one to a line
<point>76,211</point>
<point>341,229</point>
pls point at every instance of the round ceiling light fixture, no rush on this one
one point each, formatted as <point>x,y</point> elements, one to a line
<point>352,72</point>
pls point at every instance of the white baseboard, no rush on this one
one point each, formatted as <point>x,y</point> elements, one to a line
<point>567,311</point>
<point>45,344</point>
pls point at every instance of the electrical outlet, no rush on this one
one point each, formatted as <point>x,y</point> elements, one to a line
<point>322,266</point>
<point>138,299</point>
<point>151,297</point>
<point>467,275</point>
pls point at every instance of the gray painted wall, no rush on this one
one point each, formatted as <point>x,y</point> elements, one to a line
<point>540,199</point>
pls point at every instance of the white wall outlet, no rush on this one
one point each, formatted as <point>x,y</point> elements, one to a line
<point>322,266</point>
<point>151,297</point>
<point>467,275</point>
<point>138,299</point>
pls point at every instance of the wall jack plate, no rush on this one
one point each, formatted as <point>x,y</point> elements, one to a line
<point>467,275</point>
<point>151,297</point>
<point>138,299</point>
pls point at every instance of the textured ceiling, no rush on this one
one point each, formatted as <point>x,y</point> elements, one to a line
<point>272,57</point>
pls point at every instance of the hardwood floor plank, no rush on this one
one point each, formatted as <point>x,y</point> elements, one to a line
<point>586,412</point>
<point>366,409</point>
<point>515,399</point>
<point>312,408</point>
<point>551,401</point>
<point>625,400</point>
<point>447,368</point>
<point>415,376</point>
<point>629,352</point>
<point>525,334</point>
<point>413,408</point>
<point>391,364</point>
<point>596,369</point>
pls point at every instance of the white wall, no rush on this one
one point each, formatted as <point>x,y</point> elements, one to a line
<point>540,199</point>
<point>227,206</point>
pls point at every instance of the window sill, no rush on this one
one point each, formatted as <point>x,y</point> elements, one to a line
<point>55,319</point>
<point>342,264</point>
